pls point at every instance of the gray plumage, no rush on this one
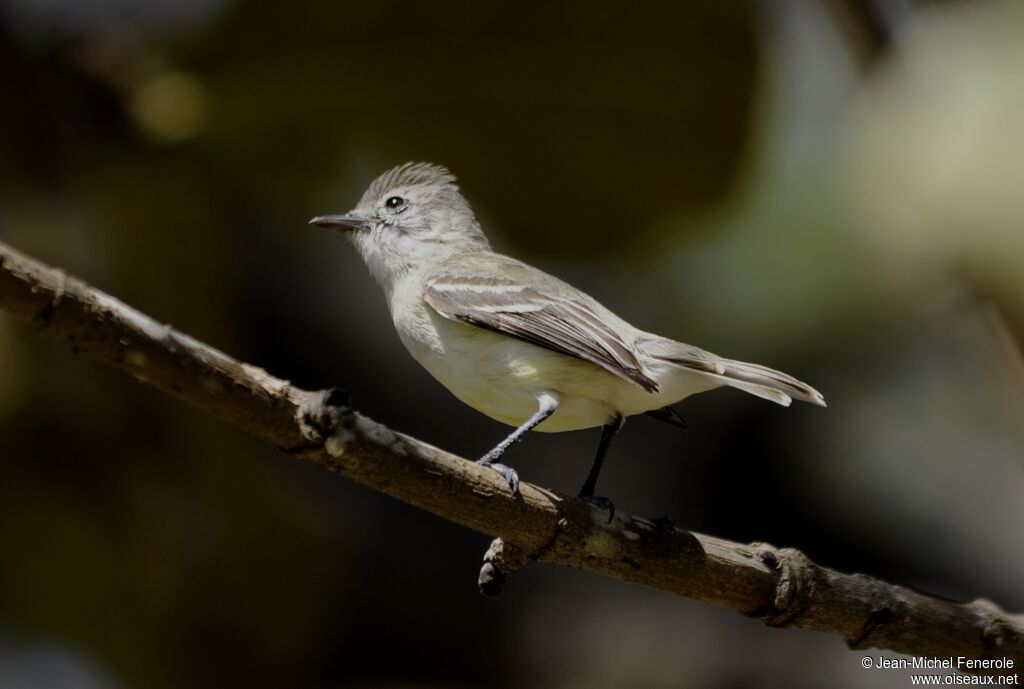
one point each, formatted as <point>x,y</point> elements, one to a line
<point>512,341</point>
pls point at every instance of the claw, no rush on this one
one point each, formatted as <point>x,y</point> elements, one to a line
<point>507,472</point>
<point>602,503</point>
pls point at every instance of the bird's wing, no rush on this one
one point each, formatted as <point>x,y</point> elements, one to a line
<point>509,297</point>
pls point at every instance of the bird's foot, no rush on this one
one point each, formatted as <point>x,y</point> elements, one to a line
<point>507,472</point>
<point>602,503</point>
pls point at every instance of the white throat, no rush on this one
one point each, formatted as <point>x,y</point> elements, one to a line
<point>392,253</point>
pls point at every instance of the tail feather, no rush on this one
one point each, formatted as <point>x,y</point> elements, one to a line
<point>768,383</point>
<point>761,381</point>
<point>763,391</point>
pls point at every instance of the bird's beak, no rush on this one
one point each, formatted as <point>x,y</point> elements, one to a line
<point>341,223</point>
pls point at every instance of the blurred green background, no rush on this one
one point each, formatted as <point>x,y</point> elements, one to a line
<point>831,188</point>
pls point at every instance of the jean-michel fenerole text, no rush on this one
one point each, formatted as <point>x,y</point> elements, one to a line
<point>958,663</point>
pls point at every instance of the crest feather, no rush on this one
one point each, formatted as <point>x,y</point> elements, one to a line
<point>411,174</point>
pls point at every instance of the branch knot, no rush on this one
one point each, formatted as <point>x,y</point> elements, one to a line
<point>320,415</point>
<point>500,559</point>
<point>994,626</point>
<point>794,586</point>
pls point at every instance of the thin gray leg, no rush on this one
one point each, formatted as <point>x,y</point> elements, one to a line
<point>548,406</point>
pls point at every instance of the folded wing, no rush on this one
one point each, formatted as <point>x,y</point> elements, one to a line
<point>509,297</point>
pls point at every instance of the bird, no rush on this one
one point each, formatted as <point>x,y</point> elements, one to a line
<point>514,342</point>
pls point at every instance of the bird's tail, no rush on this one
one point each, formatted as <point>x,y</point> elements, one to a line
<point>768,383</point>
<point>757,380</point>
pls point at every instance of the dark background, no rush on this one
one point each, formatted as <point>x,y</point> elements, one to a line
<point>828,188</point>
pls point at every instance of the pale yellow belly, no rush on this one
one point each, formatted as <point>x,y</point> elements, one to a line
<point>503,377</point>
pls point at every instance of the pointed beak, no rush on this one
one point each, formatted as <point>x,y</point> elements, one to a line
<point>341,223</point>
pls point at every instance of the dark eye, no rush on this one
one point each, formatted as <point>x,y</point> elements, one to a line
<point>395,202</point>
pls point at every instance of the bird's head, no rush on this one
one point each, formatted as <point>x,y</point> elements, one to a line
<point>413,215</point>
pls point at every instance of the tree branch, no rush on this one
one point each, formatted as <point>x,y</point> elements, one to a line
<point>780,587</point>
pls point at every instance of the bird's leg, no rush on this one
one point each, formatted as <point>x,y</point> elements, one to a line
<point>608,432</point>
<point>548,405</point>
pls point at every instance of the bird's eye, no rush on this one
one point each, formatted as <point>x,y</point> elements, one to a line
<point>395,202</point>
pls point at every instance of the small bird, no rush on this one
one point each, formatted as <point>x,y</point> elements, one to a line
<point>514,342</point>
